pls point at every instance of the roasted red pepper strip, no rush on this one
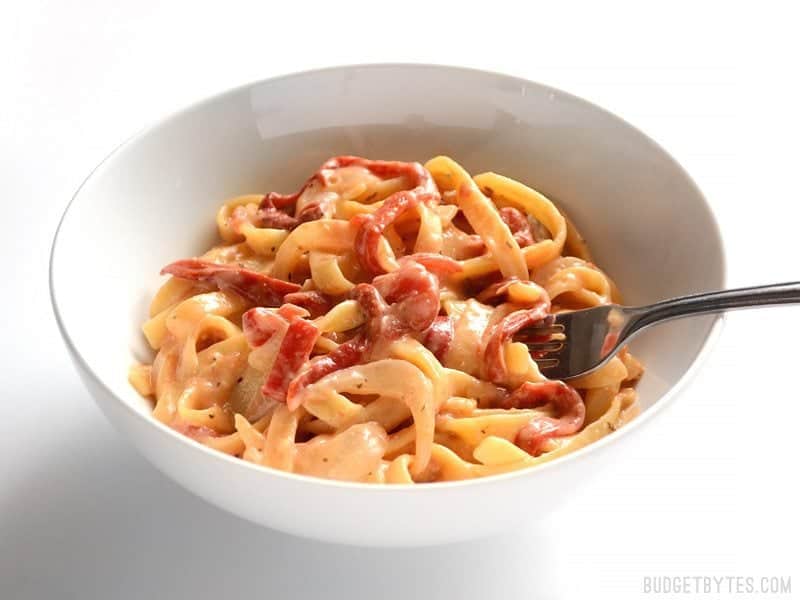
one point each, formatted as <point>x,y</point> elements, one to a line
<point>403,301</point>
<point>438,264</point>
<point>413,293</point>
<point>438,337</point>
<point>500,333</point>
<point>371,302</point>
<point>372,226</point>
<point>349,353</point>
<point>256,287</point>
<point>385,169</point>
<point>295,349</point>
<point>518,224</point>
<point>275,208</point>
<point>278,201</point>
<point>269,215</point>
<point>313,301</point>
<point>567,403</point>
<point>346,355</point>
<point>300,335</point>
<point>259,325</point>
<point>496,291</point>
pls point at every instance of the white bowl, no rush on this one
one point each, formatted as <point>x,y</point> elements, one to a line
<point>154,200</point>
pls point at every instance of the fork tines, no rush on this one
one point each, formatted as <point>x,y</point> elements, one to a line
<point>547,363</point>
<point>542,339</point>
<point>544,332</point>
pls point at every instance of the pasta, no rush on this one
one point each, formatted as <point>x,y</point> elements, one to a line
<point>363,328</point>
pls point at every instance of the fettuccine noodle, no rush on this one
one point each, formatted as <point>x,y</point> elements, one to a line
<point>362,329</point>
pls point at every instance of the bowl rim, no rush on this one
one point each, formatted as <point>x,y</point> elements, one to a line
<point>579,455</point>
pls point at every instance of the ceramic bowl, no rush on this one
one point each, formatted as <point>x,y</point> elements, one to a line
<point>153,200</point>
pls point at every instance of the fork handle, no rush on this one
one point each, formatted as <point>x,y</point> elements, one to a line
<point>712,302</point>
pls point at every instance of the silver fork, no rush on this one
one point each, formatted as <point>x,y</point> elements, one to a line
<point>575,343</point>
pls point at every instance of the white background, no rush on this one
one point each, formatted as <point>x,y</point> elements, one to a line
<point>710,490</point>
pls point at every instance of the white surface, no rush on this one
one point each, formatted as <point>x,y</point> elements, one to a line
<point>174,176</point>
<point>710,491</point>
